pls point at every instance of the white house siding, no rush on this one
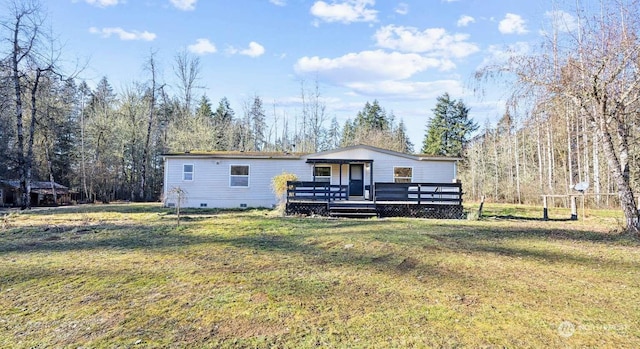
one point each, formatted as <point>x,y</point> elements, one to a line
<point>432,171</point>
<point>210,184</point>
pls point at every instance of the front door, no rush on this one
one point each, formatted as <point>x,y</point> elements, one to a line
<point>356,180</point>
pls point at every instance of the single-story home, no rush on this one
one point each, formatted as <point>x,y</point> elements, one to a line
<point>42,193</point>
<point>243,179</point>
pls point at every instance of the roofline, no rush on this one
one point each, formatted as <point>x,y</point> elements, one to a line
<point>232,156</point>
<point>298,156</point>
<point>438,158</point>
<point>417,157</point>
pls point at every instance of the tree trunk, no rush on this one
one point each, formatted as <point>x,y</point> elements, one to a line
<point>145,152</point>
<point>517,163</point>
<point>15,76</point>
<point>50,169</point>
<point>619,167</point>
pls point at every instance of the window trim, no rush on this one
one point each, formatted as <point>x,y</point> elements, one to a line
<point>394,174</point>
<point>248,176</point>
<point>329,176</point>
<point>193,171</point>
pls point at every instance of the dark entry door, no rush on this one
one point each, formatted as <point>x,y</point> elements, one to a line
<point>356,180</point>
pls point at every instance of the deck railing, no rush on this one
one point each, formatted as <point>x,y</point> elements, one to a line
<point>415,193</point>
<point>315,191</point>
<point>420,193</point>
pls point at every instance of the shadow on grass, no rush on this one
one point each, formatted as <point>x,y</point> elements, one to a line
<point>128,208</point>
<point>301,236</point>
<point>117,237</point>
<point>524,218</point>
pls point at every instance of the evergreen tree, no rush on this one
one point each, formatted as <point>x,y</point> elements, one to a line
<point>348,133</point>
<point>448,129</point>
<point>258,124</point>
<point>222,124</point>
<point>402,139</point>
<point>204,108</point>
<point>333,135</point>
<point>372,117</point>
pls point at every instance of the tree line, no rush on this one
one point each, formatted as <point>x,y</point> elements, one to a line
<point>571,117</point>
<point>572,114</point>
<point>108,145</point>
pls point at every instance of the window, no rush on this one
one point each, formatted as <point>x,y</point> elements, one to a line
<point>239,176</point>
<point>322,173</point>
<point>402,174</point>
<point>187,172</point>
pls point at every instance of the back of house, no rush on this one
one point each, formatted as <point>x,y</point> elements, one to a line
<point>243,179</point>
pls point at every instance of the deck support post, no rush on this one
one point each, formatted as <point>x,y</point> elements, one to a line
<point>574,209</point>
<point>371,181</point>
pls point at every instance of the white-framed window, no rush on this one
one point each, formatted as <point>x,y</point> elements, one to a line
<point>402,174</point>
<point>322,173</point>
<point>239,176</point>
<point>187,172</point>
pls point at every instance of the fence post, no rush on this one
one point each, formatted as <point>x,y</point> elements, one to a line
<point>419,193</point>
<point>545,210</point>
<point>574,209</point>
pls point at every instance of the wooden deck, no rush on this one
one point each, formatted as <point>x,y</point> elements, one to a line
<point>425,200</point>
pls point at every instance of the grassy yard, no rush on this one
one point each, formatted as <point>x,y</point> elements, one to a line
<point>127,276</point>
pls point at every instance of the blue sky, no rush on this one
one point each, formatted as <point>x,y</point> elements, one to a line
<point>402,53</point>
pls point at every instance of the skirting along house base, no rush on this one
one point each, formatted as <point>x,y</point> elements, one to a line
<point>356,181</point>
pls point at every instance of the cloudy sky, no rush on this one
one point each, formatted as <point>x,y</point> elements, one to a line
<point>402,53</point>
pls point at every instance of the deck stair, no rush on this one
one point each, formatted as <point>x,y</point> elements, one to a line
<point>352,209</point>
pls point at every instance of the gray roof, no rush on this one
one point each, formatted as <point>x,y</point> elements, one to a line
<point>34,184</point>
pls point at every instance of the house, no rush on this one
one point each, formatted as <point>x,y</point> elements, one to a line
<point>243,179</point>
<point>42,193</point>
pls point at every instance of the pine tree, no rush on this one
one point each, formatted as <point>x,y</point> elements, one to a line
<point>448,129</point>
<point>402,139</point>
<point>258,124</point>
<point>348,133</point>
<point>333,135</point>
<point>204,108</point>
<point>222,122</point>
<point>372,117</point>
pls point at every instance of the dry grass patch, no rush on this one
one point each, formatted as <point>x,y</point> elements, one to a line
<point>126,275</point>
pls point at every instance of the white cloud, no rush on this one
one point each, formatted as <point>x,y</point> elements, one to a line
<point>123,34</point>
<point>367,66</point>
<point>279,2</point>
<point>102,3</point>
<point>184,5</point>
<point>254,50</point>
<point>465,20</point>
<point>562,21</point>
<point>347,11</point>
<point>498,55</point>
<point>408,89</point>
<point>435,41</point>
<point>402,8</point>
<point>512,24</point>
<point>202,46</point>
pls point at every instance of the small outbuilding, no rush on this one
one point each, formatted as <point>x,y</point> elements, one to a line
<point>42,194</point>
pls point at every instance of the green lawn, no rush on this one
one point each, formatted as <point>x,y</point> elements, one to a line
<point>127,276</point>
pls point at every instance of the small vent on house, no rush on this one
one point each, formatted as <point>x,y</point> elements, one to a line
<point>171,204</point>
<point>203,205</point>
<point>243,205</point>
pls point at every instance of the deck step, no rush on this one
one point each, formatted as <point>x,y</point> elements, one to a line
<point>353,214</point>
<point>352,210</point>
